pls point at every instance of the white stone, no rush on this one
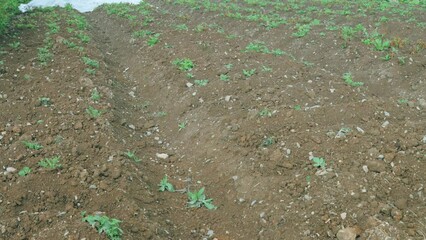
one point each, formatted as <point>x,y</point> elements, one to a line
<point>162,155</point>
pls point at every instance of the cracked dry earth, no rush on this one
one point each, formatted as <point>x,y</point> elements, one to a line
<point>250,141</point>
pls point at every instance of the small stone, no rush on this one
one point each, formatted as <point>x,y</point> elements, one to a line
<point>162,155</point>
<point>103,185</point>
<point>188,84</point>
<point>131,126</point>
<point>316,139</point>
<point>385,124</point>
<point>116,173</point>
<point>78,125</point>
<point>276,155</point>
<point>376,166</point>
<point>422,103</point>
<point>401,203</point>
<point>17,130</point>
<point>343,215</point>
<point>396,214</point>
<point>347,234</point>
<point>365,168</point>
<point>227,98</point>
<point>10,169</point>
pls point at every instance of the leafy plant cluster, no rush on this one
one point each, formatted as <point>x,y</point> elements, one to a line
<point>196,199</point>
<point>104,224</point>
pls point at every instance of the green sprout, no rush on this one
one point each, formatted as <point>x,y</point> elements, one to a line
<point>154,39</point>
<point>93,112</point>
<point>51,163</point>
<point>224,77</point>
<point>347,77</point>
<point>198,199</point>
<point>132,156</point>
<point>201,83</point>
<point>318,162</point>
<point>45,101</point>
<point>32,145</point>
<point>249,73</point>
<point>90,62</point>
<point>184,64</point>
<point>24,171</point>
<point>110,226</point>
<point>265,113</point>
<point>182,125</point>
<point>268,141</point>
<point>297,107</point>
<point>95,95</point>
<point>165,185</point>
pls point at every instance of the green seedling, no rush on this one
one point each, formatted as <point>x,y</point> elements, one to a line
<point>268,141</point>
<point>387,57</point>
<point>182,125</point>
<point>224,77</point>
<point>308,179</point>
<point>83,37</point>
<point>93,112</point>
<point>402,101</point>
<point>190,75</point>
<point>165,185</point>
<point>90,71</point>
<point>32,145</point>
<point>44,55</point>
<point>90,62</point>
<point>302,30</point>
<point>201,83</point>
<point>266,69</point>
<point>132,156</point>
<point>401,60</point>
<point>53,27</point>
<point>24,171</point>
<point>141,33</point>
<point>199,199</point>
<point>15,45</point>
<point>181,27</point>
<point>277,52</point>
<point>51,163</point>
<point>347,77</point>
<point>256,47</point>
<point>229,66</point>
<point>297,107</point>
<point>45,101</point>
<point>249,73</point>
<point>153,40</point>
<point>380,44</point>
<point>265,113</point>
<point>95,95</point>
<point>318,162</point>
<point>184,64</point>
<point>104,224</point>
<point>27,77</point>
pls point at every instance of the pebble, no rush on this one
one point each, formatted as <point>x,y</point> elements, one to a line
<point>162,155</point>
<point>422,103</point>
<point>349,233</point>
<point>78,126</point>
<point>365,168</point>
<point>376,166</point>
<point>188,84</point>
<point>116,173</point>
<point>10,169</point>
<point>401,203</point>
<point>396,214</point>
<point>227,98</point>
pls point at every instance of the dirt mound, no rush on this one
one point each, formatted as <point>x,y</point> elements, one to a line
<point>300,121</point>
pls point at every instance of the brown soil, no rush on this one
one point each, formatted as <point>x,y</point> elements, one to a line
<point>256,168</point>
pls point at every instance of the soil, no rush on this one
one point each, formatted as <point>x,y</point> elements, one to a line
<point>249,141</point>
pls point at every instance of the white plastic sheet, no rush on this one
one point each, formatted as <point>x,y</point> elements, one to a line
<point>79,5</point>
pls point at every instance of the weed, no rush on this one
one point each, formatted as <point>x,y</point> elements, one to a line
<point>268,142</point>
<point>182,125</point>
<point>297,107</point>
<point>181,27</point>
<point>201,83</point>
<point>190,75</point>
<point>93,112</point>
<point>45,101</point>
<point>27,77</point>
<point>402,101</point>
<point>401,60</point>
<point>95,95</point>
<point>256,47</point>
<point>51,163</point>
<point>90,62</point>
<point>277,52</point>
<point>44,55</point>
<point>90,71</point>
<point>153,40</point>
<point>265,113</point>
<point>201,27</point>
<point>53,27</point>
<point>15,45</point>
<point>302,30</point>
<point>110,226</point>
<point>184,64</point>
<point>198,199</point>
<point>78,21</point>
<point>380,44</point>
<point>165,185</point>
<point>224,77</point>
<point>24,171</point>
<point>229,66</point>
<point>249,73</point>
<point>142,33</point>
<point>318,162</point>
<point>387,57</point>
<point>132,156</point>
<point>69,44</point>
<point>266,69</point>
<point>347,77</point>
<point>83,37</point>
<point>32,145</point>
